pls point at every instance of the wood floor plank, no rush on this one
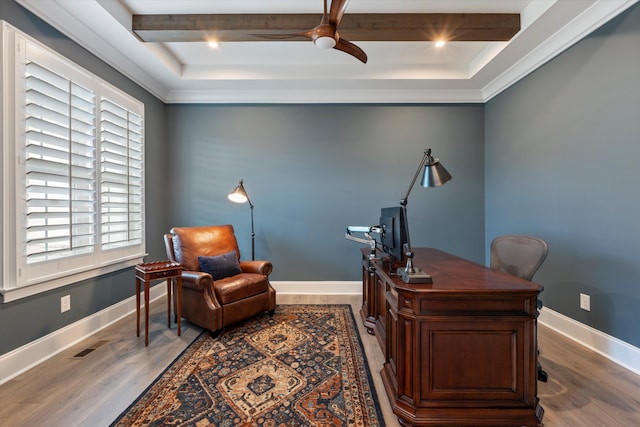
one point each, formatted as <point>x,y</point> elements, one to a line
<point>584,388</point>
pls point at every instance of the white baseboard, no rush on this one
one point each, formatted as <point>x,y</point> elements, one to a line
<point>22,359</point>
<point>618,351</point>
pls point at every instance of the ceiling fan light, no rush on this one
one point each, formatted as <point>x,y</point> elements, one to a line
<point>325,42</point>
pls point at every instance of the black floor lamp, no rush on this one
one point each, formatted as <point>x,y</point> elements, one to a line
<point>239,195</point>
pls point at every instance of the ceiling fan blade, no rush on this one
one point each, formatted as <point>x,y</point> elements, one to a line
<point>338,8</point>
<point>350,48</point>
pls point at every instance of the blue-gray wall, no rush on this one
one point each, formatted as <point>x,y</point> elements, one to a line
<point>31,318</point>
<point>312,170</point>
<point>562,150</point>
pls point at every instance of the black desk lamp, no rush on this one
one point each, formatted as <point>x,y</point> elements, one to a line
<point>239,195</point>
<point>434,175</point>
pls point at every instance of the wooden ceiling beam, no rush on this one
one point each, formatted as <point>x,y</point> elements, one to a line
<point>354,26</point>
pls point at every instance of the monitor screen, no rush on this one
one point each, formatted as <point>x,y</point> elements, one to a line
<point>394,232</point>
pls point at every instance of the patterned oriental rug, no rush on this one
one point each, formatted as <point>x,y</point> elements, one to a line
<point>305,366</point>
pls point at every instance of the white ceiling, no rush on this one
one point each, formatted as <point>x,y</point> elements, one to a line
<point>298,72</point>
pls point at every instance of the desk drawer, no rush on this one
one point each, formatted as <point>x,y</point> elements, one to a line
<point>476,306</point>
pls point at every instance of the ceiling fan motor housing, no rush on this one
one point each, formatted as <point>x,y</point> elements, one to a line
<point>325,36</point>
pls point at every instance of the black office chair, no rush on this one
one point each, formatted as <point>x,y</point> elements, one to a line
<point>520,256</point>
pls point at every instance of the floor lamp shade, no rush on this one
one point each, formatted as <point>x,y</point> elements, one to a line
<point>239,194</point>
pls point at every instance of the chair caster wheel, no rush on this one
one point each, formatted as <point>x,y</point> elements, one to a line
<point>542,375</point>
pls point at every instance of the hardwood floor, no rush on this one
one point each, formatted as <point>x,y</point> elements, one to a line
<point>584,388</point>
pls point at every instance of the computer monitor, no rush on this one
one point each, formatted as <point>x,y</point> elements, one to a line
<point>394,231</point>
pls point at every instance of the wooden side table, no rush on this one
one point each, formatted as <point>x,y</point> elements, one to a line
<point>146,272</point>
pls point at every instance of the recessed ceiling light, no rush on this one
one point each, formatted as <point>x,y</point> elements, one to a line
<point>213,44</point>
<point>440,43</point>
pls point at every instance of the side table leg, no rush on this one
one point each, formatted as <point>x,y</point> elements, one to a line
<point>179,307</point>
<point>169,303</point>
<point>146,312</point>
<point>137,306</point>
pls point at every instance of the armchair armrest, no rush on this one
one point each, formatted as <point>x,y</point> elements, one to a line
<point>196,280</point>
<point>201,282</point>
<point>257,267</point>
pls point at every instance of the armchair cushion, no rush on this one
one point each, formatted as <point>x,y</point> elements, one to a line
<point>220,266</point>
<point>241,286</point>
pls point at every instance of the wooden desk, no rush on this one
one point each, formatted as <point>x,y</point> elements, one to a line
<point>149,271</point>
<point>461,351</point>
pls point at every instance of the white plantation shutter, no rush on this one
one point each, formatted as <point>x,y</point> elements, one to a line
<point>75,194</point>
<point>60,165</point>
<point>121,179</point>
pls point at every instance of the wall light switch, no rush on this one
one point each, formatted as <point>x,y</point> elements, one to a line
<point>65,303</point>
<point>585,302</point>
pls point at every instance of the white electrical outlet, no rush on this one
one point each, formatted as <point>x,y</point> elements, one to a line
<point>585,302</point>
<point>65,303</point>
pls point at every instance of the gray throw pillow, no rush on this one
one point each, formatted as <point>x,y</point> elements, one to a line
<point>220,266</point>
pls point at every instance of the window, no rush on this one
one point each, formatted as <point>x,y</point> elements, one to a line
<point>73,171</point>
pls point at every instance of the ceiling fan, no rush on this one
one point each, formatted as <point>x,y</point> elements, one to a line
<point>325,34</point>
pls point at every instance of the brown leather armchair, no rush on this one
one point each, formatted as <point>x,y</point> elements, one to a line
<point>215,303</point>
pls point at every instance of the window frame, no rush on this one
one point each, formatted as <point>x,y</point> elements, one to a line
<point>20,278</point>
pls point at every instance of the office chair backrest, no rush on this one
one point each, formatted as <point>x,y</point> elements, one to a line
<point>519,256</point>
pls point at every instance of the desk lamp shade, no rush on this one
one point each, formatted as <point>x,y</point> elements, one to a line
<point>434,174</point>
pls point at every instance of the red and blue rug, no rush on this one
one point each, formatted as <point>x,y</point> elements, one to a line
<point>305,366</point>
